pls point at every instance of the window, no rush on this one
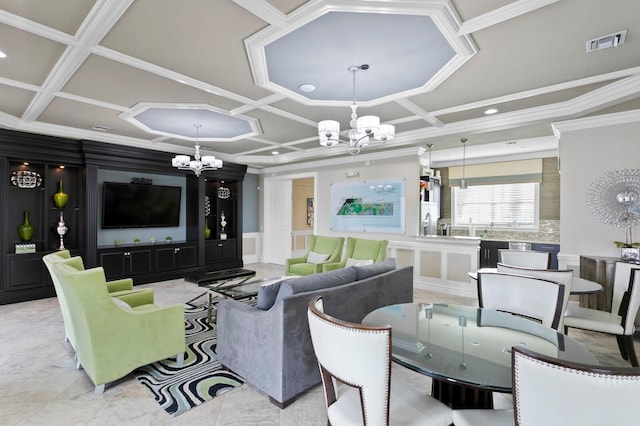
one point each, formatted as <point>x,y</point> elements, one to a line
<point>506,206</point>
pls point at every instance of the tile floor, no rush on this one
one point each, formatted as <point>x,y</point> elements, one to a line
<point>40,385</point>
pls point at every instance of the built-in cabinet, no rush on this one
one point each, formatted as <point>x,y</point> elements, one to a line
<point>222,202</point>
<point>489,252</point>
<point>32,167</point>
<point>147,263</point>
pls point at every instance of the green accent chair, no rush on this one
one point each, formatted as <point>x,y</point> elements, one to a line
<point>113,338</point>
<point>123,289</point>
<point>328,246</point>
<point>360,249</point>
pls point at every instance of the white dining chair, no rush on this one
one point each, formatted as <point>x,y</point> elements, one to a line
<point>561,276</point>
<point>359,357</point>
<point>620,320</point>
<point>527,296</point>
<point>549,391</point>
<point>525,258</point>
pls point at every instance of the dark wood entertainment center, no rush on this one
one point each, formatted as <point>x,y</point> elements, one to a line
<point>24,277</point>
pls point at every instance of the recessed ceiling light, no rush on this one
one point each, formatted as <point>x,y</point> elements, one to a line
<point>491,111</point>
<point>307,87</point>
<point>275,152</point>
<point>101,128</point>
<point>2,54</point>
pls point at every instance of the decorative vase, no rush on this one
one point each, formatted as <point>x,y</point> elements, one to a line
<point>207,231</point>
<point>26,229</point>
<point>60,198</point>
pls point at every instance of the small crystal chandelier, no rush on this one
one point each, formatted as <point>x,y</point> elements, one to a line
<point>198,164</point>
<point>362,129</point>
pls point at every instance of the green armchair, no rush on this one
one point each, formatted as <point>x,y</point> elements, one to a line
<point>360,249</point>
<point>112,338</point>
<point>321,250</point>
<point>123,289</point>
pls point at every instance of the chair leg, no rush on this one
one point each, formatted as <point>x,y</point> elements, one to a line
<point>180,359</point>
<point>99,390</point>
<point>631,351</point>
<point>622,347</point>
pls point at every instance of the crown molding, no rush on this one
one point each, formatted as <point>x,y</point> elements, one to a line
<point>614,119</point>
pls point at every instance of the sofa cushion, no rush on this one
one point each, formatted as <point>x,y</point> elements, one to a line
<point>268,293</point>
<point>357,262</point>
<point>313,257</point>
<point>317,282</point>
<point>366,271</point>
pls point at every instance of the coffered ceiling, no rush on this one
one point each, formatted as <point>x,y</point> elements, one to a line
<point>143,72</point>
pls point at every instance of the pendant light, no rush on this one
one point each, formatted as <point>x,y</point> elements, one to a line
<point>463,181</point>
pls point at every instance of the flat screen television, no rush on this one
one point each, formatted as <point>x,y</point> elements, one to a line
<point>132,205</point>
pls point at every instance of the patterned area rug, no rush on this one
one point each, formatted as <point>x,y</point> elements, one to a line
<point>200,379</point>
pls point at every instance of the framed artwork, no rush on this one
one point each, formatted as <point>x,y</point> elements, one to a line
<point>368,206</point>
<point>310,211</point>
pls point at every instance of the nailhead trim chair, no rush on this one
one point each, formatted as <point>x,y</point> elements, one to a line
<point>620,321</point>
<point>548,391</point>
<point>525,258</point>
<point>563,277</point>
<point>527,296</point>
<point>360,357</point>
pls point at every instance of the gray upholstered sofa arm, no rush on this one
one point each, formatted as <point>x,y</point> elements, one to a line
<point>272,348</point>
<point>250,342</point>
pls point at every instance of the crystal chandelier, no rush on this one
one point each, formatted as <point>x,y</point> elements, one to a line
<point>362,129</point>
<point>198,164</point>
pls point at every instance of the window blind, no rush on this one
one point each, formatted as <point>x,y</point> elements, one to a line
<point>505,205</point>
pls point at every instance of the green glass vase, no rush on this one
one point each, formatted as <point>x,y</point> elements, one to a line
<point>207,231</point>
<point>25,231</point>
<point>60,198</point>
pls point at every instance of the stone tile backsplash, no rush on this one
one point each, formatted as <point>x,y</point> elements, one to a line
<point>548,232</point>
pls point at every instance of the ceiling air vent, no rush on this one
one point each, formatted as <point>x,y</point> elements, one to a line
<point>611,40</point>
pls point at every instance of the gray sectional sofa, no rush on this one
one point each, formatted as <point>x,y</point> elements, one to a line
<point>271,347</point>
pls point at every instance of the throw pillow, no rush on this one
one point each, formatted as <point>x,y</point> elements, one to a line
<point>358,262</point>
<point>314,257</point>
<point>121,303</point>
<point>267,294</point>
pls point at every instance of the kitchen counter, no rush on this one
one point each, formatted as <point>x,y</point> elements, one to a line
<point>440,263</point>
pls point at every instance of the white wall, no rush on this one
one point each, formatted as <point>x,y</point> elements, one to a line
<point>394,168</point>
<point>590,148</point>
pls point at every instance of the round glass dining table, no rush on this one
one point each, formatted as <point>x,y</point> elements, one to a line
<point>467,350</point>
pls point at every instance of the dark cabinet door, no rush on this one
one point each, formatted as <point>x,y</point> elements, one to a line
<point>176,257</point>
<point>115,264</point>
<point>220,251</point>
<point>187,256</point>
<point>139,261</point>
<point>489,252</point>
<point>125,263</point>
<point>166,258</point>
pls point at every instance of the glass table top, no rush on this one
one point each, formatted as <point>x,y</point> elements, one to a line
<point>466,345</point>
